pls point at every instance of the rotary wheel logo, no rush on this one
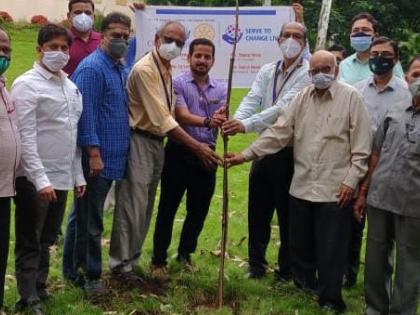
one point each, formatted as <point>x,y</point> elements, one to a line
<point>229,35</point>
<point>204,30</point>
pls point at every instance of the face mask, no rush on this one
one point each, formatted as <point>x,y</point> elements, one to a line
<point>415,88</point>
<point>4,64</point>
<point>290,48</point>
<point>323,80</point>
<point>117,47</point>
<point>55,60</point>
<point>381,65</point>
<point>82,22</point>
<point>360,42</point>
<point>169,51</point>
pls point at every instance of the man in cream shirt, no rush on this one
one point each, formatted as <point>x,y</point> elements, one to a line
<point>329,127</point>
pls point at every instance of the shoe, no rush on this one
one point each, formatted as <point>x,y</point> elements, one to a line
<point>349,282</point>
<point>333,307</point>
<point>43,294</point>
<point>160,272</point>
<point>310,288</point>
<point>31,308</point>
<point>255,274</point>
<point>94,288</point>
<point>129,278</point>
<point>188,265</point>
<point>282,277</point>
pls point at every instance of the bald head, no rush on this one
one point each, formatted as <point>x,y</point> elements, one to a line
<point>295,30</point>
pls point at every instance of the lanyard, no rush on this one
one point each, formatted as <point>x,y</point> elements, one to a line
<point>168,99</point>
<point>276,77</point>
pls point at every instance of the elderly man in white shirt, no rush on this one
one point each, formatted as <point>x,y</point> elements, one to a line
<point>276,84</point>
<point>49,106</point>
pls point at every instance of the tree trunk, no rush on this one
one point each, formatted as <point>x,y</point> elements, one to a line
<point>324,18</point>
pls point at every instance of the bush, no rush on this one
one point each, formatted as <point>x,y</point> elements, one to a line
<point>5,17</point>
<point>39,20</point>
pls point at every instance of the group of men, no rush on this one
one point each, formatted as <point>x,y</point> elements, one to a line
<point>86,115</point>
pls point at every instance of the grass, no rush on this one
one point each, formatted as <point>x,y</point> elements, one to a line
<point>187,294</point>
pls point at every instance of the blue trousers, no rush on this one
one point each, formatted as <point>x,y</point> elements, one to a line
<point>82,244</point>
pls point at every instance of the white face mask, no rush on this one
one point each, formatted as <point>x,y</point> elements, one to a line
<point>55,60</point>
<point>323,80</point>
<point>415,88</point>
<point>169,51</point>
<point>82,22</point>
<point>290,48</point>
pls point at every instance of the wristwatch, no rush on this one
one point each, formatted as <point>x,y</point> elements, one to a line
<point>207,122</point>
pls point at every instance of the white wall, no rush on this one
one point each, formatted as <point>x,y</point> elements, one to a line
<point>56,10</point>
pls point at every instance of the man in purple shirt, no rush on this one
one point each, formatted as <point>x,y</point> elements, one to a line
<point>81,16</point>
<point>200,111</point>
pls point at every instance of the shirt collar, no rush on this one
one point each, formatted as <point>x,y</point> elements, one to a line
<point>355,59</point>
<point>332,90</point>
<point>92,35</point>
<point>190,79</point>
<point>108,60</point>
<point>47,74</point>
<point>391,86</point>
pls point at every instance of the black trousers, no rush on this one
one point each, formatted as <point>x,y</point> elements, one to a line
<point>4,242</point>
<point>319,236</point>
<point>269,183</point>
<point>182,172</point>
<point>355,247</point>
<point>37,224</point>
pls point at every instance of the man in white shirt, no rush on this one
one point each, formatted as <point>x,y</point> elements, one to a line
<point>276,84</point>
<point>48,105</point>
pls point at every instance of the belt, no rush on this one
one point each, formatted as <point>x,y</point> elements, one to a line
<point>147,134</point>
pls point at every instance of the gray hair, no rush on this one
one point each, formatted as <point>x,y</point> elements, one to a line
<point>161,30</point>
<point>305,30</point>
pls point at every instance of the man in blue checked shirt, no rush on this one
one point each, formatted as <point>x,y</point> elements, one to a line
<point>104,136</point>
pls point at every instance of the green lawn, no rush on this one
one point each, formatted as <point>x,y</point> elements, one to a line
<point>187,293</point>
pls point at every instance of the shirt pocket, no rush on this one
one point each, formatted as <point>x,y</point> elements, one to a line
<point>75,105</point>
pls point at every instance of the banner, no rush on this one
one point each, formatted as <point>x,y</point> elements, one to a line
<point>257,36</point>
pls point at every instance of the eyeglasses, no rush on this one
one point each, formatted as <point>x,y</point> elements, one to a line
<point>170,40</point>
<point>297,36</point>
<point>385,54</point>
<point>326,69</point>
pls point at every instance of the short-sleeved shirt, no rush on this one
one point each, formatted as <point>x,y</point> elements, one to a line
<point>395,184</point>
<point>104,120</point>
<point>202,102</point>
<point>352,70</point>
<point>151,108</point>
<point>80,49</point>
<point>378,102</point>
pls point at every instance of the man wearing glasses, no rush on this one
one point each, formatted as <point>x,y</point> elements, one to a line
<point>329,127</point>
<point>151,107</point>
<point>276,84</point>
<point>104,135</point>
<point>380,92</point>
<point>393,182</point>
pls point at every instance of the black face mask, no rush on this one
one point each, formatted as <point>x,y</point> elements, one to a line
<point>381,65</point>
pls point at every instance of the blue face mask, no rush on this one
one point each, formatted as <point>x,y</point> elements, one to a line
<point>361,42</point>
